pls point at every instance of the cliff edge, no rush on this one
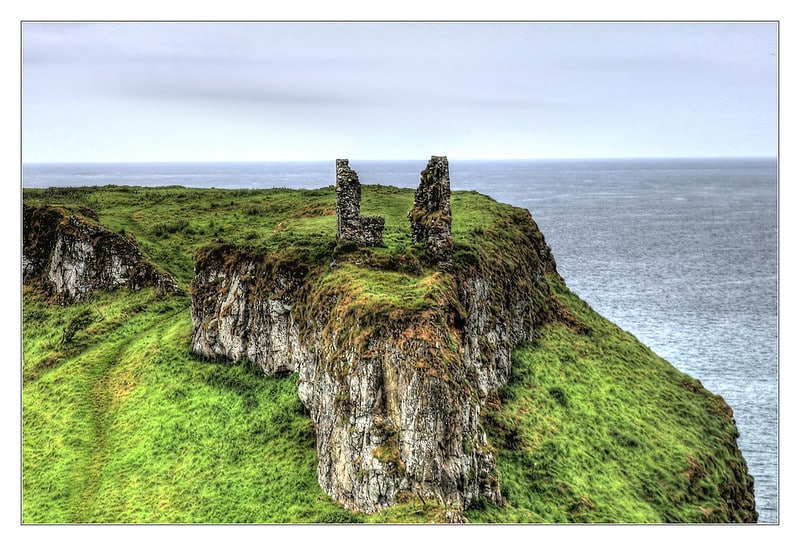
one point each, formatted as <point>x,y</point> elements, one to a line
<point>397,356</point>
<point>395,385</point>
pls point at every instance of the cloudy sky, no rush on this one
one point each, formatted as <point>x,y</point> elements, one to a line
<point>296,91</point>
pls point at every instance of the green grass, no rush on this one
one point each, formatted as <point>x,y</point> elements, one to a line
<point>594,427</point>
<point>135,429</point>
<point>171,224</point>
<point>121,423</point>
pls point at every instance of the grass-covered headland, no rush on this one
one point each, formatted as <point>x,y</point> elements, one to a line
<point>122,423</point>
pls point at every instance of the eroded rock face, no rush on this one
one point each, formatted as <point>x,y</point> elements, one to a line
<point>430,217</point>
<point>396,399</point>
<point>243,310</point>
<point>350,225</point>
<point>72,257</point>
<point>397,417</point>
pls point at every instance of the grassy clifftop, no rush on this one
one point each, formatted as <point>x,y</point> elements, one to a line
<point>121,423</point>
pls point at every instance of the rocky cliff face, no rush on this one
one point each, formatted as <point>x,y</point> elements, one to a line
<point>395,394</point>
<point>395,388</point>
<point>71,256</point>
<point>241,309</point>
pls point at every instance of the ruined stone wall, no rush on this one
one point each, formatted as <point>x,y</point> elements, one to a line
<point>350,225</point>
<point>430,216</point>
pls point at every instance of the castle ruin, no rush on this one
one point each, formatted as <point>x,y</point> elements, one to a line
<point>350,225</point>
<point>430,217</point>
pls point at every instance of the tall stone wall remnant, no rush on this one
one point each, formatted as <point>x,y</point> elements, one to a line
<point>350,225</point>
<point>430,216</point>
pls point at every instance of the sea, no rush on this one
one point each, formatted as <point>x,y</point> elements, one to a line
<point>682,253</point>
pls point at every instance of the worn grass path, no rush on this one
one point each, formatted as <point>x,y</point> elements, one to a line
<point>109,387</point>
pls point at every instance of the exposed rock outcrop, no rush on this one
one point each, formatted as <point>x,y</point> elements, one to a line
<point>71,256</point>
<point>430,217</point>
<point>241,309</point>
<point>351,226</point>
<point>395,395</point>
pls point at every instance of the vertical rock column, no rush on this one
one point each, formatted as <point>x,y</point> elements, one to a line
<point>350,225</point>
<point>430,216</point>
<point>348,201</point>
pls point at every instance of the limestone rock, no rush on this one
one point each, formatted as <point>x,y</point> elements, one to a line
<point>396,400</point>
<point>394,417</point>
<point>243,311</point>
<point>71,257</point>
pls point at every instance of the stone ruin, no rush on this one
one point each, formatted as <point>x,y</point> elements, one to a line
<point>350,225</point>
<point>430,217</point>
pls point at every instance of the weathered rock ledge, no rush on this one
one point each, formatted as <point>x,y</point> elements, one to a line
<point>71,256</point>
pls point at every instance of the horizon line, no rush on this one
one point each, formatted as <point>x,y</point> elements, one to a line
<point>450,158</point>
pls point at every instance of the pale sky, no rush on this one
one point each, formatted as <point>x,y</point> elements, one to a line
<point>306,91</point>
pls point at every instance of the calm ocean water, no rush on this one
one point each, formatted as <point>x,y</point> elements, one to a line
<point>681,253</point>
